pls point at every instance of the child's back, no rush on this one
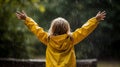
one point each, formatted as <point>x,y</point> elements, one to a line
<point>60,52</point>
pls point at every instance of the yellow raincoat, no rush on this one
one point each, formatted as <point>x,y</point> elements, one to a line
<point>60,49</point>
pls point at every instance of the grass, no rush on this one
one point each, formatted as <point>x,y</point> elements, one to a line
<point>108,64</point>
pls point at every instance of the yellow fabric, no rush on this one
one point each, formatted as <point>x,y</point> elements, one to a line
<point>60,49</point>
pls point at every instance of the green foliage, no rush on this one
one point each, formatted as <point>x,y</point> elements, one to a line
<point>12,39</point>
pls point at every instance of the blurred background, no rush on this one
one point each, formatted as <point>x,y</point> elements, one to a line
<point>16,41</point>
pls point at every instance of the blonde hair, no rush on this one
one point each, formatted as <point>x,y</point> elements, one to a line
<point>59,26</point>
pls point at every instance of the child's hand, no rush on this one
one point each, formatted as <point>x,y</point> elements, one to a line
<point>21,15</point>
<point>100,15</point>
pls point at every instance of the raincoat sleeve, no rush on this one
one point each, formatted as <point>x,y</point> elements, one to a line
<point>80,33</point>
<point>38,31</point>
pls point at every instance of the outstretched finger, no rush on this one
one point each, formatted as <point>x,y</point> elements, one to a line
<point>103,12</point>
<point>102,18</point>
<point>24,12</point>
<point>18,15</point>
<point>18,12</point>
<point>99,12</point>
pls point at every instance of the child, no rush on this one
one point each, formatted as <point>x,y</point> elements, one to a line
<point>60,41</point>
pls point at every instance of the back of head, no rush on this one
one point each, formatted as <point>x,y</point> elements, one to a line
<point>59,26</point>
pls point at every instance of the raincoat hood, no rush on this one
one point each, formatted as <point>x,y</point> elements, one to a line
<point>60,42</point>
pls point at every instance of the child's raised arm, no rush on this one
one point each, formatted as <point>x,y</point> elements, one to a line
<point>80,33</point>
<point>33,26</point>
